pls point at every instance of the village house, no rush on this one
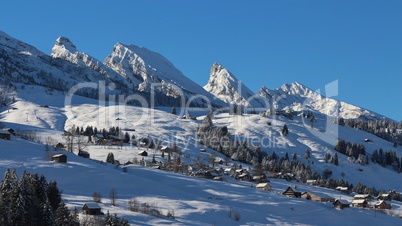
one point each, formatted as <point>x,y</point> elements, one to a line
<point>62,158</point>
<point>260,179</point>
<point>366,197</point>
<point>4,134</point>
<point>360,203</point>
<point>202,174</point>
<point>292,193</point>
<point>91,208</point>
<point>311,182</point>
<point>342,189</point>
<point>60,146</point>
<point>143,153</point>
<point>341,204</point>
<point>382,205</point>
<point>317,197</point>
<point>384,197</point>
<point>115,140</point>
<point>10,130</point>
<point>264,186</point>
<point>83,154</point>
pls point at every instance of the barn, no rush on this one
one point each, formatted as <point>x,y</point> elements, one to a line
<point>60,158</point>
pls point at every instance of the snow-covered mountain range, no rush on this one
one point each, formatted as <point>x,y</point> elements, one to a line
<point>137,70</point>
<point>34,111</point>
<point>131,68</point>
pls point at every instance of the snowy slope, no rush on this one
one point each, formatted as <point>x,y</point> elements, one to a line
<point>225,86</point>
<point>298,97</point>
<point>195,201</point>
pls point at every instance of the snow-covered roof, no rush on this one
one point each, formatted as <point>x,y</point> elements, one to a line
<point>58,155</point>
<point>262,185</point>
<point>4,132</point>
<point>342,201</point>
<point>358,201</point>
<point>92,205</point>
<point>361,196</point>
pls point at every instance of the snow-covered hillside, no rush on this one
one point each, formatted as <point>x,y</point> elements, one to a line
<point>225,86</point>
<point>194,201</point>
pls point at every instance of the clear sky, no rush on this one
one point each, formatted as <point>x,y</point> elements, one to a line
<point>263,42</point>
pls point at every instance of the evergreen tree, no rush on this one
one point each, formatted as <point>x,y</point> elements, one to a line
<point>62,215</point>
<point>336,159</point>
<point>110,158</point>
<point>174,110</point>
<point>307,155</point>
<point>285,130</point>
<point>54,195</point>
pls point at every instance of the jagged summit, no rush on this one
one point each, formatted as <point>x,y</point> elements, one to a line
<point>66,43</point>
<point>148,67</point>
<point>225,86</point>
<point>298,97</point>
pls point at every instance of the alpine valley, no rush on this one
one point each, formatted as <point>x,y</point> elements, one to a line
<point>133,140</point>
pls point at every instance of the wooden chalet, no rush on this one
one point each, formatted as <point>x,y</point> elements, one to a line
<point>143,153</point>
<point>83,154</point>
<point>62,158</point>
<point>366,197</point>
<point>264,186</point>
<point>382,205</point>
<point>384,197</point>
<point>4,134</point>
<point>10,130</point>
<point>115,140</point>
<point>317,197</point>
<point>360,203</point>
<point>91,208</point>
<point>60,146</point>
<point>202,174</point>
<point>341,204</point>
<point>311,182</point>
<point>291,193</point>
<point>342,189</point>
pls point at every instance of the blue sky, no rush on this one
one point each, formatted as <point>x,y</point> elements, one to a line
<point>261,42</point>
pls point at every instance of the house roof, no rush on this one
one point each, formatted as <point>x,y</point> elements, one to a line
<point>59,155</point>
<point>293,189</point>
<point>342,201</point>
<point>362,196</point>
<point>358,201</point>
<point>4,132</point>
<point>342,188</point>
<point>262,185</point>
<point>321,195</point>
<point>92,205</point>
<point>380,202</point>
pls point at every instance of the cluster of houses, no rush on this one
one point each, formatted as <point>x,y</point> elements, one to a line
<point>359,200</point>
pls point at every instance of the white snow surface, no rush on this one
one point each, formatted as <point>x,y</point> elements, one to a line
<point>195,201</point>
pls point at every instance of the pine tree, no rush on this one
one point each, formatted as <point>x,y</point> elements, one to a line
<point>285,130</point>
<point>307,155</point>
<point>62,215</point>
<point>336,159</point>
<point>54,195</point>
<point>174,110</point>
